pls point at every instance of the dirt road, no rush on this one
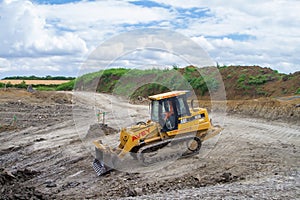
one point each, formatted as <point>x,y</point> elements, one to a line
<point>48,154</point>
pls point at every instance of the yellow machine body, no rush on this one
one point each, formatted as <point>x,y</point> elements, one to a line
<point>183,121</point>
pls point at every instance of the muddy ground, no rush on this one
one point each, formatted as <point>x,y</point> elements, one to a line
<point>47,153</point>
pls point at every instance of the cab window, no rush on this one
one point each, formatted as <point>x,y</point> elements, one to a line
<point>155,111</point>
<point>181,107</point>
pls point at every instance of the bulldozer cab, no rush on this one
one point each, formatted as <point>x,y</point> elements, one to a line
<point>168,108</point>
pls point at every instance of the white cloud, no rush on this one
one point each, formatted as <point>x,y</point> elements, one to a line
<point>223,43</point>
<point>41,66</point>
<point>146,48</point>
<point>4,65</point>
<point>272,27</point>
<point>148,58</point>
<point>98,21</point>
<point>202,41</point>
<point>114,12</point>
<point>25,33</point>
<point>57,38</point>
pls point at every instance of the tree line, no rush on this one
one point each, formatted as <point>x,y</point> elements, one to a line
<point>38,78</point>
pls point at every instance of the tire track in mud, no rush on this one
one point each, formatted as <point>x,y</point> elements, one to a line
<point>245,158</point>
<point>278,187</point>
<point>244,151</point>
<point>272,130</point>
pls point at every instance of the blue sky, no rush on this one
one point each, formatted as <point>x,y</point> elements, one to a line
<point>44,37</point>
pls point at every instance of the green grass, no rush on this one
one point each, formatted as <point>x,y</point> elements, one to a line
<point>247,81</point>
<point>241,82</point>
<point>242,78</point>
<point>258,80</point>
<point>260,91</point>
<point>123,81</point>
<point>41,87</point>
<point>68,86</point>
<point>45,88</point>
<point>9,85</point>
<point>87,78</point>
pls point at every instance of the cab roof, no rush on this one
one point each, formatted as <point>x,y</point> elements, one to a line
<point>168,95</point>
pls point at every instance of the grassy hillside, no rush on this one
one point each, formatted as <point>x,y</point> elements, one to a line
<point>135,82</point>
<point>241,82</point>
<point>247,82</point>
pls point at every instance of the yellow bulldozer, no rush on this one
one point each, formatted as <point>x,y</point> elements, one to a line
<point>173,122</point>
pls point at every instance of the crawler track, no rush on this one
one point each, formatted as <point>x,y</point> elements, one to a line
<point>181,146</point>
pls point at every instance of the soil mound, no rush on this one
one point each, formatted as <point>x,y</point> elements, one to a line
<point>101,129</point>
<point>13,185</point>
<point>7,128</point>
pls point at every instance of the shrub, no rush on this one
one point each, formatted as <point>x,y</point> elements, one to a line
<point>8,84</point>
<point>175,67</point>
<point>190,69</point>
<point>244,87</point>
<point>285,77</point>
<point>242,78</point>
<point>260,91</point>
<point>258,80</point>
<point>168,79</point>
<point>212,84</point>
<point>68,86</point>
<point>221,67</point>
<point>21,85</point>
<point>38,78</point>
<point>45,88</point>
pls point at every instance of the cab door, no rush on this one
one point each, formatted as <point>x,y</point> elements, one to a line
<point>182,106</point>
<point>169,115</point>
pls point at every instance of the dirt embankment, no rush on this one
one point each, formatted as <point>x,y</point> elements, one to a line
<point>20,109</point>
<point>285,109</point>
<point>24,117</point>
<point>251,82</point>
<point>12,186</point>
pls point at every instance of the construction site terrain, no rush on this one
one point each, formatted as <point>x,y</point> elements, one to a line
<point>46,150</point>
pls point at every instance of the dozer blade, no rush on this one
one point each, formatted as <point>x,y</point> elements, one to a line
<point>105,159</point>
<point>100,168</point>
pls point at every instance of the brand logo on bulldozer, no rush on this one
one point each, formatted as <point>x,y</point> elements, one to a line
<point>141,134</point>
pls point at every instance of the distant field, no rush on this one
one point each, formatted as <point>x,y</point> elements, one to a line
<point>36,82</point>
